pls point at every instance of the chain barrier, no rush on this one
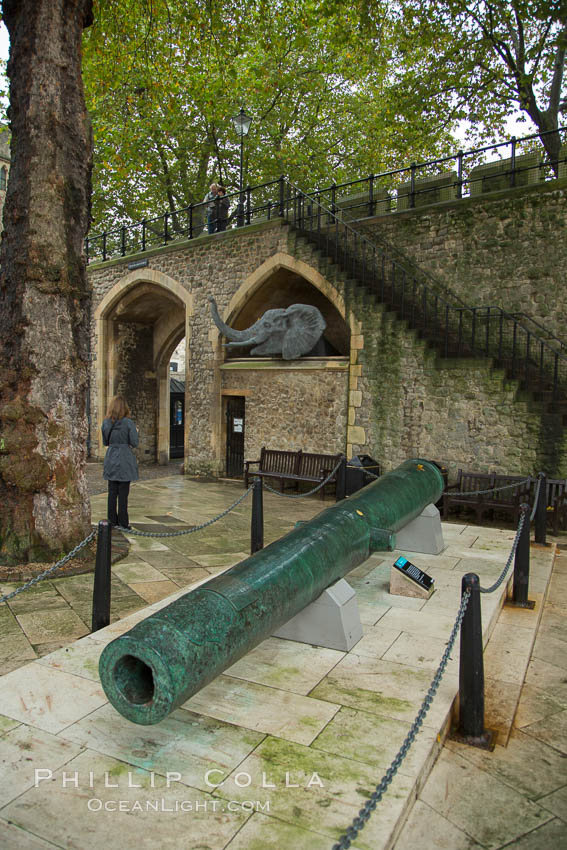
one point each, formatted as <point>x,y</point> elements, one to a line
<point>492,489</point>
<point>133,531</point>
<point>521,522</point>
<point>536,497</point>
<point>364,469</point>
<point>360,821</point>
<point>52,569</point>
<point>502,575</point>
<point>138,533</point>
<point>310,492</point>
<point>364,814</point>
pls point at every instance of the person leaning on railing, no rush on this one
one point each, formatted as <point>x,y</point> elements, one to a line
<point>222,203</point>
<point>209,200</point>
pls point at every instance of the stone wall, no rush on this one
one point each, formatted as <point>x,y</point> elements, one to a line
<point>290,407</point>
<point>506,248</point>
<point>396,399</point>
<point>462,413</point>
<point>135,380</point>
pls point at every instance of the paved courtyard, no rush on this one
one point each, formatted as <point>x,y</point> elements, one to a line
<point>285,746</point>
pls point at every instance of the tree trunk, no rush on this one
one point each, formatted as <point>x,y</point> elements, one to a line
<point>44,295</point>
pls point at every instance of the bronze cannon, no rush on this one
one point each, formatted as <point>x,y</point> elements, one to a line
<point>162,661</point>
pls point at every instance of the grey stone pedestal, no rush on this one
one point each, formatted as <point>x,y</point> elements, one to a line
<point>423,534</point>
<point>332,620</point>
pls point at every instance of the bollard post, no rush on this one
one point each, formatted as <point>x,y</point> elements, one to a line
<point>101,590</point>
<point>257,522</point>
<point>541,510</point>
<point>522,564</point>
<point>340,492</point>
<point>471,671</point>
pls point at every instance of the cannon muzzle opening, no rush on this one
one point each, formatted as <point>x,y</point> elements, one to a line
<point>134,679</point>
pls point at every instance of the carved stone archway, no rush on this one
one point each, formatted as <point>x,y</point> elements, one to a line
<point>237,307</point>
<point>156,311</point>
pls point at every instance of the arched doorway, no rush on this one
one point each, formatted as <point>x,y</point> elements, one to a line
<point>177,402</point>
<point>140,322</point>
<point>285,404</point>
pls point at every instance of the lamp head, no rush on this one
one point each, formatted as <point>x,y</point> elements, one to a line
<point>241,122</point>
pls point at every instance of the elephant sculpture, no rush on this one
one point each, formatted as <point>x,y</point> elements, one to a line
<point>290,332</point>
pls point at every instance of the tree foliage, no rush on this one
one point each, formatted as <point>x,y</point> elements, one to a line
<point>164,78</point>
<point>483,60</point>
<point>336,89</point>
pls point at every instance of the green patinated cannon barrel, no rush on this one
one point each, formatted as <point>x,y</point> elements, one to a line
<point>164,660</point>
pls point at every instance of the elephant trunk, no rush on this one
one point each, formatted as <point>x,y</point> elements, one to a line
<point>243,337</point>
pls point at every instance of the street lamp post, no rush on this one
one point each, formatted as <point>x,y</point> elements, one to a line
<point>241,123</point>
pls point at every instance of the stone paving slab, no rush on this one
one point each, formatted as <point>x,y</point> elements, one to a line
<point>284,747</point>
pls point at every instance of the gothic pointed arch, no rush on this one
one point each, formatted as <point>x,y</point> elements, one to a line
<point>155,311</point>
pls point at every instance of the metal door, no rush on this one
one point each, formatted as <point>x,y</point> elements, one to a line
<point>235,437</point>
<point>176,424</point>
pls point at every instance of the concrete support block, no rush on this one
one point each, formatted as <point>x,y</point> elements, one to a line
<point>332,620</point>
<point>423,534</point>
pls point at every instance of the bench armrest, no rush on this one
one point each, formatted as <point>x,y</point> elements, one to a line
<point>247,470</point>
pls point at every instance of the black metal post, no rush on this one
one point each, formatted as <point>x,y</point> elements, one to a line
<point>248,204</point>
<point>460,174</point>
<point>340,492</point>
<point>522,565</point>
<point>282,196</point>
<point>240,214</point>
<point>101,590</point>
<point>257,522</point>
<point>413,168</point>
<point>541,510</point>
<point>471,670</point>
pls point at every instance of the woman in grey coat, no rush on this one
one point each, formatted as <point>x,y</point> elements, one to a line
<point>120,467</point>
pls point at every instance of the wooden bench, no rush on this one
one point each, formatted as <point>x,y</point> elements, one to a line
<point>296,467</point>
<point>504,501</point>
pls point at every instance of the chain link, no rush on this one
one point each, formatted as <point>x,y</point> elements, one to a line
<point>52,569</point>
<point>137,533</point>
<point>310,492</point>
<point>364,814</point>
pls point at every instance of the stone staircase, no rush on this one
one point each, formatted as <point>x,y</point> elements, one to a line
<point>376,304</point>
<point>376,268</point>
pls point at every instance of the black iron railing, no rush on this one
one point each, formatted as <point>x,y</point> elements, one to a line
<point>456,330</point>
<point>522,161</point>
